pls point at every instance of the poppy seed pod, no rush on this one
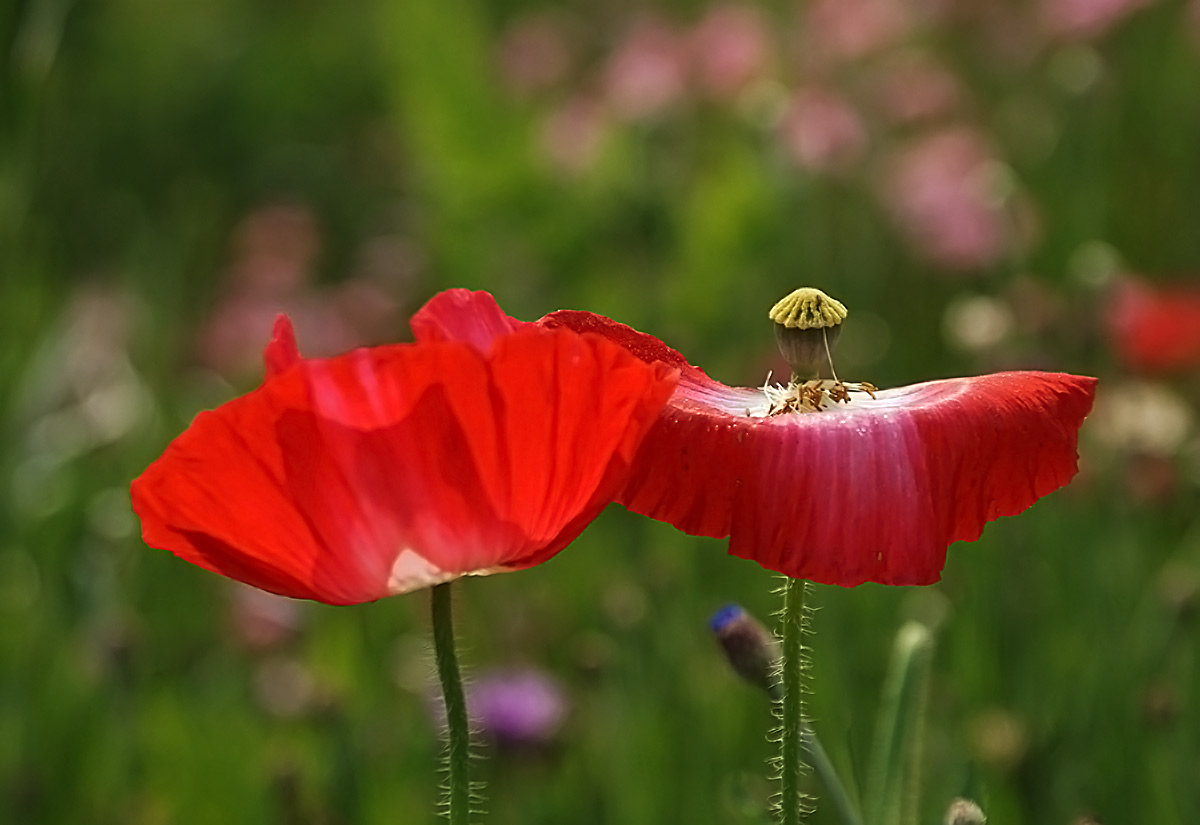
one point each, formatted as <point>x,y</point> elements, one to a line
<point>807,326</point>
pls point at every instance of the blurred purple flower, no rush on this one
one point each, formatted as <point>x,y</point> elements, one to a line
<point>940,193</point>
<point>821,131</point>
<point>514,708</point>
<point>730,48</point>
<point>647,72</point>
<point>517,707</point>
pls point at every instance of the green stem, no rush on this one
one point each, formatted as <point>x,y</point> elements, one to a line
<point>839,798</point>
<point>458,732</point>
<point>892,790</point>
<point>791,705</point>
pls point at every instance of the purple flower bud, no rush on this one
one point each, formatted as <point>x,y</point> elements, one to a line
<point>749,647</point>
<point>513,708</point>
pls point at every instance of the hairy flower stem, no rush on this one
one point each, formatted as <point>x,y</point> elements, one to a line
<point>458,732</point>
<point>792,767</point>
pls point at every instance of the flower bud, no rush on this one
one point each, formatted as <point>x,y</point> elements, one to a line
<point>748,646</point>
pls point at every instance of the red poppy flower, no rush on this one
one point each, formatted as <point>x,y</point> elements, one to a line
<point>873,489</point>
<point>389,469</point>
<point>1155,329</point>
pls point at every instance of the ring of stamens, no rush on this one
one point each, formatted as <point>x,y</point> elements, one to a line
<point>812,396</point>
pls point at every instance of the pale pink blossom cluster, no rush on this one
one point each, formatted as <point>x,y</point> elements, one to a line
<point>654,68</point>
<point>855,89</point>
<point>790,80</point>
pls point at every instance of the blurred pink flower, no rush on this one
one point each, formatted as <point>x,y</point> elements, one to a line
<point>534,54</point>
<point>274,249</point>
<point>274,254</point>
<point>730,47</point>
<point>647,72</point>
<point>847,30</point>
<point>913,86</point>
<point>821,131</point>
<point>1086,19</point>
<point>572,135</point>
<point>938,190</point>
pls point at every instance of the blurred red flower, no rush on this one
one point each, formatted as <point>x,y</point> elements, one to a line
<point>1155,329</point>
<point>388,469</point>
<point>872,490</point>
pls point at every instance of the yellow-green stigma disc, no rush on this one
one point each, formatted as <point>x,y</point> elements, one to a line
<point>808,308</point>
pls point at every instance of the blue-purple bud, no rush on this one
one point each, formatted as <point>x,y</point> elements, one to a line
<point>749,647</point>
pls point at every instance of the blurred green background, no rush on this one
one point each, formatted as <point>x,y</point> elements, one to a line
<point>970,179</point>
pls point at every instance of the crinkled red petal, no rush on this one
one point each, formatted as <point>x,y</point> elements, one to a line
<point>462,315</point>
<point>348,479</point>
<point>870,491</point>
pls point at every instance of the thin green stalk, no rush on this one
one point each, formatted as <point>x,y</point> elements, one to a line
<point>794,664</point>
<point>892,782</point>
<point>838,797</point>
<point>458,732</point>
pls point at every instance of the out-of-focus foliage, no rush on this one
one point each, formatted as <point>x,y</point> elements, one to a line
<point>973,180</point>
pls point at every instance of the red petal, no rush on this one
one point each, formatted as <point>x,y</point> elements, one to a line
<point>351,478</point>
<point>462,315</point>
<point>646,347</point>
<point>282,351</point>
<point>870,491</point>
